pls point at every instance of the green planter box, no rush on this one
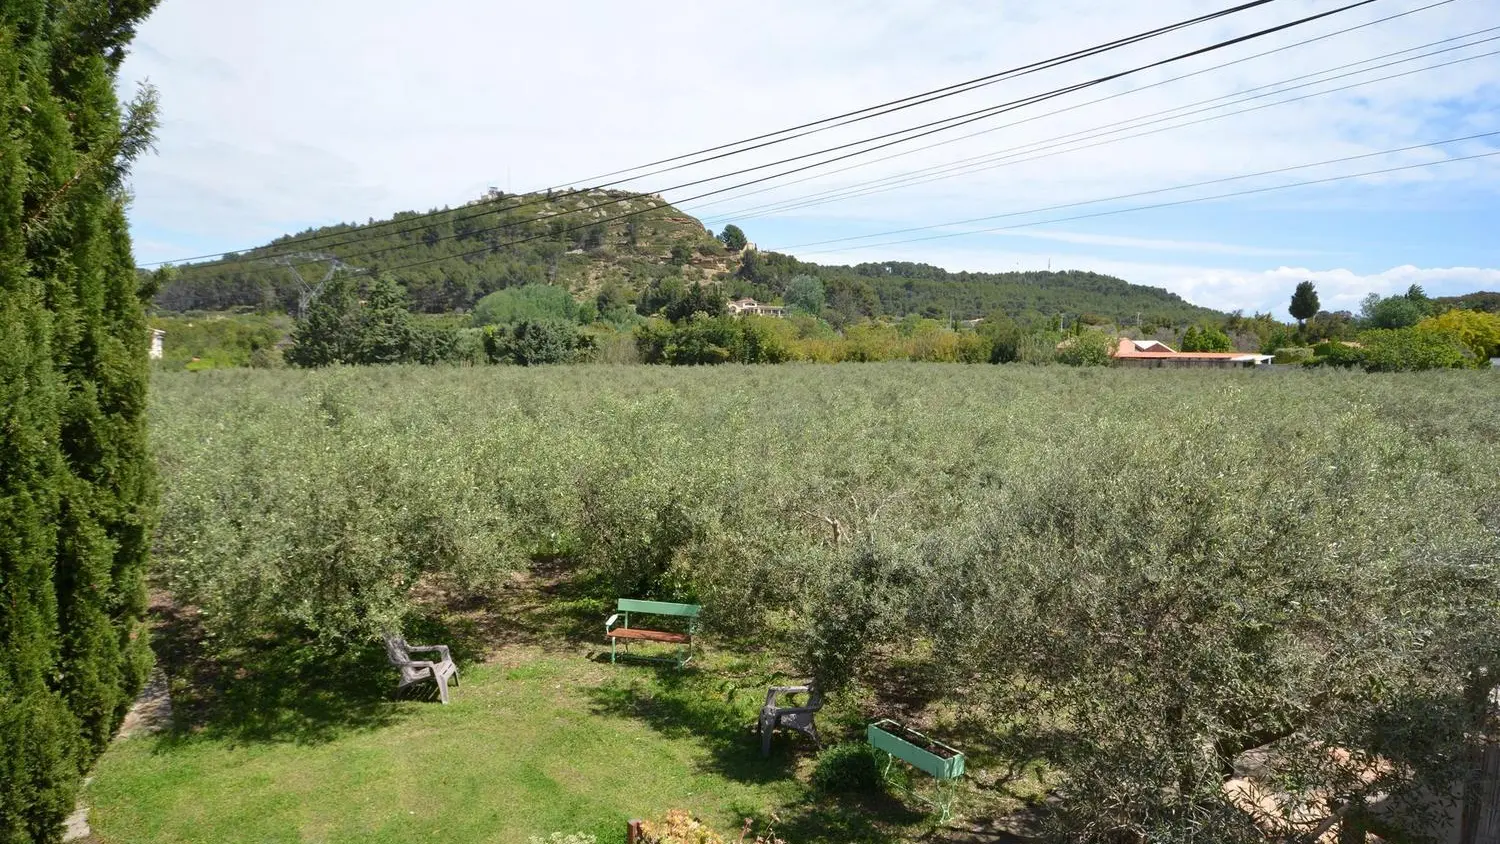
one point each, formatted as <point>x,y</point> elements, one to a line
<point>886,735</point>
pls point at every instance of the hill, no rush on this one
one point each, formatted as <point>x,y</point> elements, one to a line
<point>1483,300</point>
<point>450,258</point>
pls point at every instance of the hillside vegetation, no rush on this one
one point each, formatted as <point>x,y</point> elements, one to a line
<point>449,261</point>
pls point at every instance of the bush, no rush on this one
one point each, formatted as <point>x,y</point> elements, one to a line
<point>1296,354</point>
<point>533,302</point>
<point>1477,330</point>
<point>1319,554</point>
<point>1412,350</point>
<point>1336,353</point>
<point>1206,339</point>
<point>706,340</point>
<point>679,827</point>
<point>1392,312</point>
<point>569,838</point>
<point>847,769</point>
<point>1091,348</point>
<point>538,342</point>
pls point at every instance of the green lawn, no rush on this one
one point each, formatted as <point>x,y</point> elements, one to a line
<point>535,741</point>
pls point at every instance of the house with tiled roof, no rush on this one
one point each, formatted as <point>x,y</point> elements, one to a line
<point>1156,354</point>
<point>749,307</point>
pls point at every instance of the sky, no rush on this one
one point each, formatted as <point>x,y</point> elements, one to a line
<point>282,115</point>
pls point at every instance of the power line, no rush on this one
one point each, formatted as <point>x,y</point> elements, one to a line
<point>963,119</point>
<point>951,90</point>
<point>1014,155</point>
<point>1173,203</point>
<point>868,112</point>
<point>1092,102</point>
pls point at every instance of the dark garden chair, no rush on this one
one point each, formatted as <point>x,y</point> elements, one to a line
<point>783,713</point>
<point>439,671</point>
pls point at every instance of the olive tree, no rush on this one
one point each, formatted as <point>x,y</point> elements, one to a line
<point>1143,611</point>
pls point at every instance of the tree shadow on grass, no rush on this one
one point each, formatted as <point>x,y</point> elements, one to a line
<point>718,712</point>
<point>867,819</point>
<point>275,690</point>
<point>544,606</point>
<point>885,818</point>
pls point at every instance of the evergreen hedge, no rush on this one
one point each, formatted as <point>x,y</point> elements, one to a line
<point>76,488</point>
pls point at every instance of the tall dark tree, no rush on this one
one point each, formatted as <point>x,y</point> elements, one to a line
<point>1304,303</point>
<point>330,333</point>
<point>340,328</point>
<point>76,486</point>
<point>733,238</point>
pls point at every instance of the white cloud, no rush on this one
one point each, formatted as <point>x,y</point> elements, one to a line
<point>1338,289</point>
<point>1154,244</point>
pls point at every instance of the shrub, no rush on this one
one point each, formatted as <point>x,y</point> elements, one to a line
<point>569,838</point>
<point>1319,555</point>
<point>1392,312</point>
<point>679,827</point>
<point>1206,339</point>
<point>533,302</point>
<point>316,519</point>
<point>1412,349</point>
<point>342,328</point>
<point>1091,348</point>
<point>1296,354</point>
<point>847,769</point>
<point>538,342</point>
<point>1477,330</point>
<point>1336,353</point>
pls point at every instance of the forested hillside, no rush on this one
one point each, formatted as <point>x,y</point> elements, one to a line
<point>1483,300</point>
<point>447,260</point>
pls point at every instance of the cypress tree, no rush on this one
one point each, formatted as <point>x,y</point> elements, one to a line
<point>76,488</point>
<point>1304,303</point>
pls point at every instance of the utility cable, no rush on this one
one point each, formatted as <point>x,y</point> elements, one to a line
<point>963,119</point>
<point>1026,153</point>
<point>1118,95</point>
<point>1138,194</point>
<point>903,103</point>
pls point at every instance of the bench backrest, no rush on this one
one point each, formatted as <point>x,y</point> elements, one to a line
<point>396,650</point>
<point>657,608</point>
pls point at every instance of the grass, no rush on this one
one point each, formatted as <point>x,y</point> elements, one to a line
<point>552,743</point>
<point>543,735</point>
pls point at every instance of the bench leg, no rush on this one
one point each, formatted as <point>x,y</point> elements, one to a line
<point>611,650</point>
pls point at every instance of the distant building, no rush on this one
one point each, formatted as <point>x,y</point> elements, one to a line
<point>157,335</point>
<point>1156,354</point>
<point>1495,363</point>
<point>750,307</point>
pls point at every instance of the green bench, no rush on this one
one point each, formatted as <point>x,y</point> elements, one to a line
<point>617,627</point>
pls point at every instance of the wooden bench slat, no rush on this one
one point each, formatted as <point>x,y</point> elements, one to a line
<point>649,635</point>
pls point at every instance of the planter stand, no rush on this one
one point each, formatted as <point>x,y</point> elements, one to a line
<point>885,737</point>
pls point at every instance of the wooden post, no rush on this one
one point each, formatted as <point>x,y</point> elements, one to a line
<point>633,833</point>
<point>1479,822</point>
<point>1481,814</point>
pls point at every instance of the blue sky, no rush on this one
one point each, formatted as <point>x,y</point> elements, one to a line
<point>280,115</point>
